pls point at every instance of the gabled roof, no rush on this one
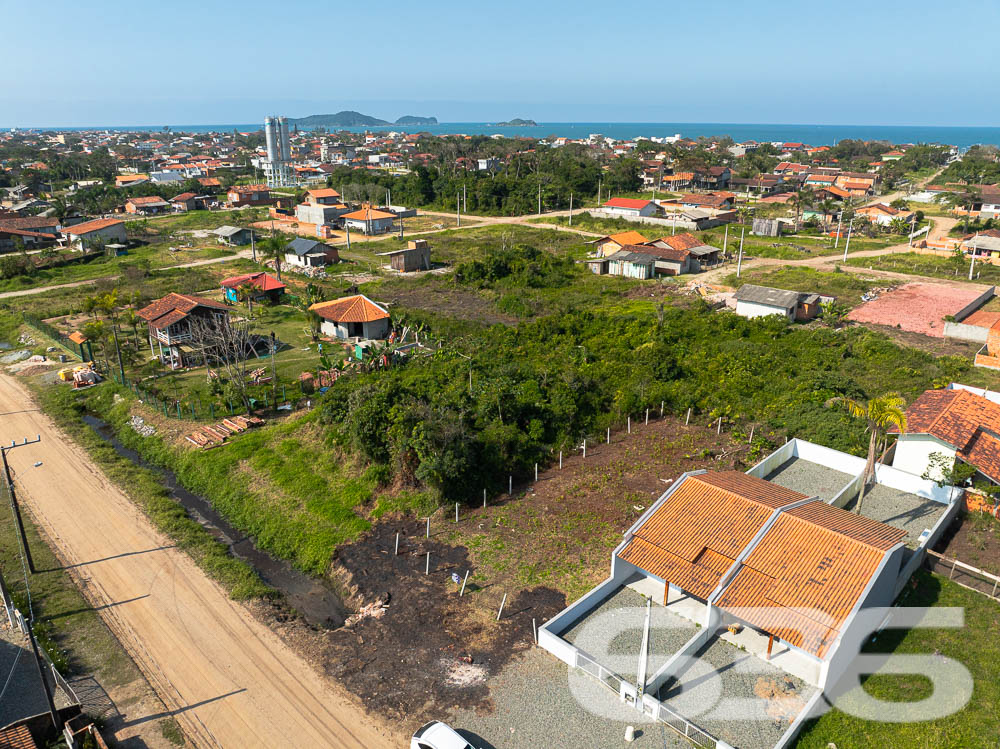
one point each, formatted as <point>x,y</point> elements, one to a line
<point>261,280</point>
<point>695,535</point>
<point>623,238</point>
<point>965,420</point>
<point>633,203</point>
<point>767,296</point>
<point>326,192</point>
<point>358,308</point>
<point>152,200</point>
<point>228,231</point>
<point>808,572</point>
<point>303,246</point>
<point>78,230</point>
<point>183,197</point>
<point>368,214</point>
<point>175,307</point>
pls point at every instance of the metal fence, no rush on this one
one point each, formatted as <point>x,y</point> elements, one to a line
<point>55,334</point>
<point>684,727</point>
<point>965,575</point>
<point>660,712</point>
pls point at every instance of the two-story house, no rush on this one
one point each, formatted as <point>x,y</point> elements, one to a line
<point>172,323</point>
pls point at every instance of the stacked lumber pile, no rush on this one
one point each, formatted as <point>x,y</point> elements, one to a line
<point>215,434</point>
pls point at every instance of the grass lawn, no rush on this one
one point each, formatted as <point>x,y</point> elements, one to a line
<point>933,266</point>
<point>975,645</point>
<point>847,287</point>
<point>154,254</point>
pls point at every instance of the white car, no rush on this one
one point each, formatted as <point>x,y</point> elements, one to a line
<point>438,735</point>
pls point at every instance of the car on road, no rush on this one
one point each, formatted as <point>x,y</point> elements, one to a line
<point>438,735</point>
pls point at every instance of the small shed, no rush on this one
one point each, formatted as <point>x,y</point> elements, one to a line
<point>233,235</point>
<point>415,256</point>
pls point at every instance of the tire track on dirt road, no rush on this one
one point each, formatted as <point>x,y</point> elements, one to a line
<point>225,677</point>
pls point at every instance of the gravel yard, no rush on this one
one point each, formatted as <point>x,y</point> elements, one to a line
<point>900,510</point>
<point>809,478</point>
<point>612,634</point>
<point>726,694</point>
<point>540,702</point>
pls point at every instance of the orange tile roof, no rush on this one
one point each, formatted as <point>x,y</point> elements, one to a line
<point>358,308</point>
<point>86,227</point>
<point>326,192</point>
<point>683,241</point>
<point>174,307</point>
<point>368,214</point>
<point>963,419</point>
<point>77,337</point>
<point>624,238</point>
<point>147,200</point>
<point>697,533</point>
<point>805,576</point>
<point>260,279</point>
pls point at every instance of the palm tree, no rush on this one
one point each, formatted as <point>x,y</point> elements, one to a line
<point>274,247</point>
<point>245,291</point>
<point>879,414</point>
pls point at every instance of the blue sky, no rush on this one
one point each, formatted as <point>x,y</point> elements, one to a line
<point>131,63</point>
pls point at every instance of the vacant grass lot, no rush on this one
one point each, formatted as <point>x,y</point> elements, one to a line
<point>932,266</point>
<point>975,645</point>
<point>847,287</point>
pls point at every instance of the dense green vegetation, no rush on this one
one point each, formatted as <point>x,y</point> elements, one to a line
<point>978,166</point>
<point>512,191</point>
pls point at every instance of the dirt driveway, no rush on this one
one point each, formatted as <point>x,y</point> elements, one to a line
<point>226,678</point>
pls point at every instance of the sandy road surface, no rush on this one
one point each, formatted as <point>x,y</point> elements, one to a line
<point>227,678</point>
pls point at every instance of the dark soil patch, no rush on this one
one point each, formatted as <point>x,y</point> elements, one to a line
<point>974,538</point>
<point>936,346</point>
<point>431,650</point>
<point>444,300</point>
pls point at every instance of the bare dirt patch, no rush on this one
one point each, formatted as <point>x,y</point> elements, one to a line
<point>974,538</point>
<point>930,344</point>
<point>444,300</point>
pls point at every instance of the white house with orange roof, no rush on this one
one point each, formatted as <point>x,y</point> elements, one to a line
<point>353,317</point>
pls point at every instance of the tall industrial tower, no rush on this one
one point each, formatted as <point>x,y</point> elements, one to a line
<point>279,152</point>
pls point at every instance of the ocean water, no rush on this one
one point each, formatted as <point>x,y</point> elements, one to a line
<point>815,135</point>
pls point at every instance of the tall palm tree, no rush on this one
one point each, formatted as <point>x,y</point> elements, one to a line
<point>274,247</point>
<point>879,414</point>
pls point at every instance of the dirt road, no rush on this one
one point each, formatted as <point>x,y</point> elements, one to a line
<point>225,677</point>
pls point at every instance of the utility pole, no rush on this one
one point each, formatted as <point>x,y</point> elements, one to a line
<point>458,209</point>
<point>972,265</point>
<point>840,222</point>
<point>348,228</point>
<point>13,496</point>
<point>118,349</point>
<point>847,245</point>
<point>913,228</point>
<point>253,246</point>
<point>41,675</point>
<point>739,260</point>
<point>598,192</point>
<point>465,198</point>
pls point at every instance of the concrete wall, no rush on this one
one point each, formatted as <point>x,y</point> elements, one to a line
<point>913,453</point>
<point>677,663</point>
<point>753,309</point>
<point>907,482</point>
<point>975,304</point>
<point>963,332</point>
<point>772,461</point>
<point>926,542</point>
<point>881,591</point>
<point>655,221</point>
